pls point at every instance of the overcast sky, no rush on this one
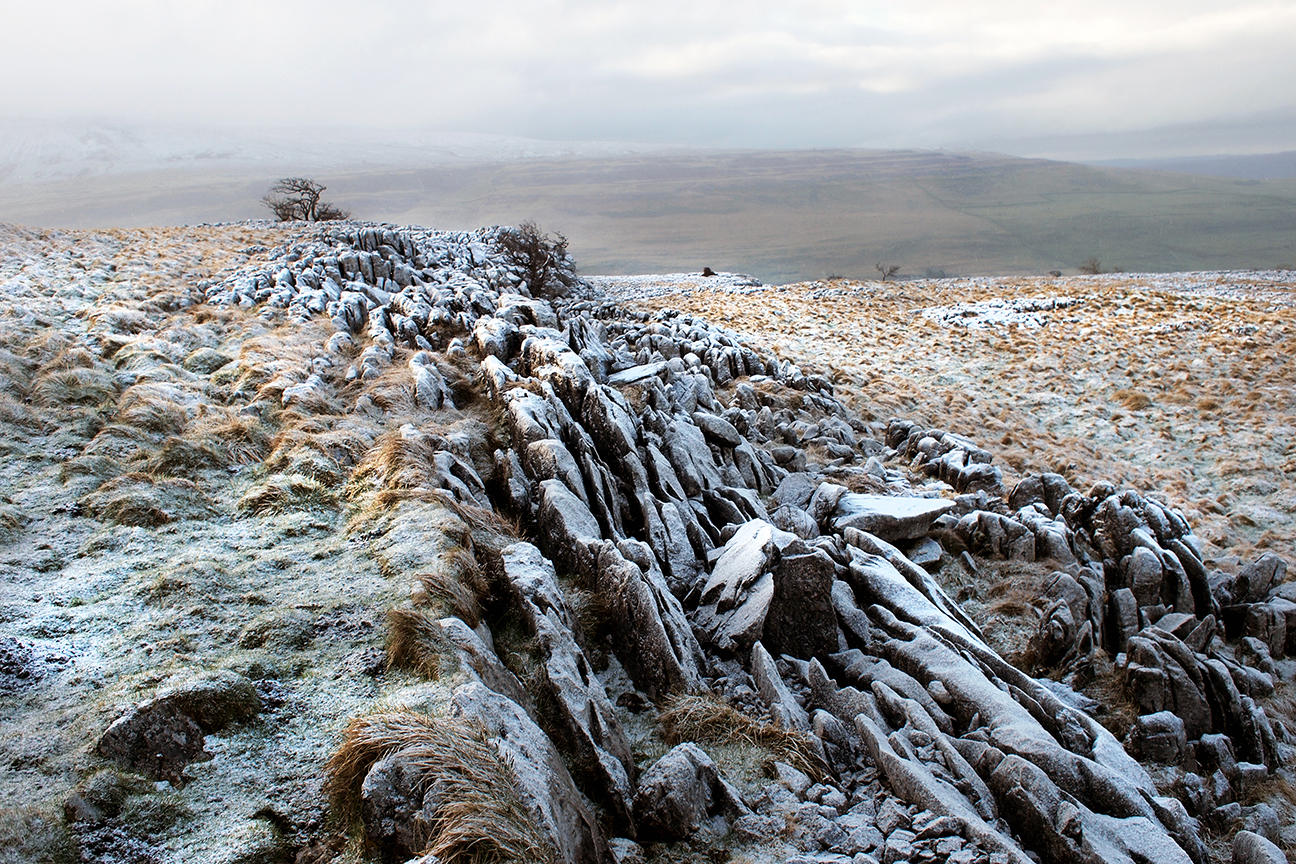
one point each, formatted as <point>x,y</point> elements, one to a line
<point>1174,77</point>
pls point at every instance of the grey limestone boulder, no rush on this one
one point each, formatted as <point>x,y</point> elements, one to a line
<point>1256,579</point>
<point>686,449</point>
<point>1251,848</point>
<point>154,739</point>
<point>481,661</point>
<point>1160,737</point>
<point>717,429</point>
<point>796,489</point>
<point>889,517</point>
<point>497,337</point>
<point>801,620</point>
<point>683,792</point>
<point>652,638</point>
<point>794,520</point>
<point>783,707</point>
<point>549,459</point>
<point>391,806</point>
<point>564,521</point>
<point>543,779</point>
<point>577,705</point>
<point>160,736</point>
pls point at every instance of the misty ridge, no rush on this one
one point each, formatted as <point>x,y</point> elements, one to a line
<point>779,215</point>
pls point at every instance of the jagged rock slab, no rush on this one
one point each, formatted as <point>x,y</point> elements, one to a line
<point>888,517</point>
<point>543,778</point>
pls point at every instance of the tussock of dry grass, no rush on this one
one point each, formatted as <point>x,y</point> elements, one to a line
<point>121,319</point>
<point>1132,399</point>
<point>101,467</point>
<point>455,589</point>
<point>15,371</point>
<point>480,818</point>
<point>71,358</point>
<point>1107,688</point>
<point>708,720</point>
<point>486,529</point>
<point>118,441</point>
<point>317,451</point>
<point>153,407</point>
<point>244,438</point>
<point>415,641</point>
<point>12,521</point>
<point>75,386</point>
<point>181,457</point>
<point>397,463</point>
<point>394,392</point>
<point>280,493</point>
<point>14,411</point>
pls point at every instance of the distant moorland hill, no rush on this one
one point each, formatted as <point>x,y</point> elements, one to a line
<point>782,216</point>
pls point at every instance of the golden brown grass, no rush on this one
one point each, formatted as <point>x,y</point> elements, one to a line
<point>707,719</point>
<point>280,493</point>
<point>1132,399</point>
<point>140,500</point>
<point>13,411</point>
<point>101,467</point>
<point>481,817</point>
<point>456,589</point>
<point>415,641</point>
<point>75,386</point>
<point>313,449</point>
<point>12,522</point>
<point>396,462</point>
<point>1107,687</point>
<point>117,318</point>
<point>182,457</point>
<point>152,407</point>
<point>245,439</point>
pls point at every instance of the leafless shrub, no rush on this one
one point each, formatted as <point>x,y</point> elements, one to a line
<point>538,254</point>
<point>887,270</point>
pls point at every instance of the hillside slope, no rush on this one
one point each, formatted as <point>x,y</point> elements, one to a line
<point>350,542</point>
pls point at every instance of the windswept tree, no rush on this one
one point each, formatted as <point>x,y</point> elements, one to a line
<point>298,199</point>
<point>544,258</point>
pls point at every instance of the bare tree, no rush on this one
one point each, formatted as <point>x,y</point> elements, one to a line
<point>1092,267</point>
<point>298,198</point>
<point>539,254</point>
<point>887,270</point>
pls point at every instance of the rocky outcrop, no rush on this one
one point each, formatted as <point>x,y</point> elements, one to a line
<point>742,535</point>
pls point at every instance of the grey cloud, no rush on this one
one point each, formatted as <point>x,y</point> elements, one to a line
<point>759,74</point>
